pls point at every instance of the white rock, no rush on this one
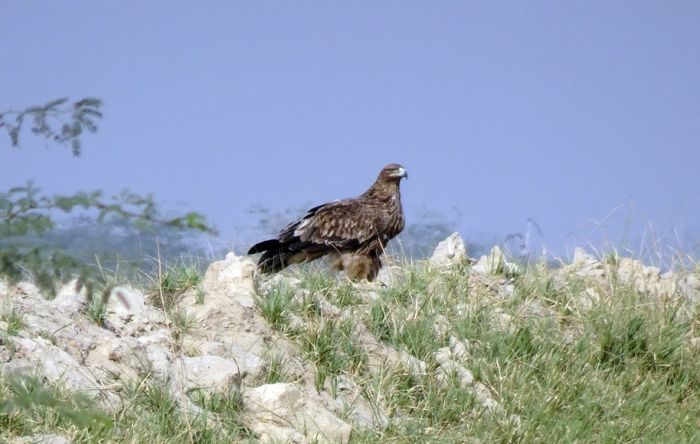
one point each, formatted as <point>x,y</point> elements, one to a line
<point>534,309</point>
<point>505,291</point>
<point>412,364</point>
<point>28,290</point>
<point>210,372</point>
<point>584,265</point>
<point>501,320</point>
<point>483,395</point>
<point>450,369</point>
<point>125,300</point>
<point>280,412</point>
<point>282,280</point>
<point>68,300</point>
<point>248,362</point>
<point>441,326</point>
<point>156,348</point>
<point>349,402</point>
<point>442,355</point>
<point>233,278</point>
<point>128,315</point>
<point>118,359</point>
<point>390,275</point>
<point>41,357</point>
<point>689,287</point>
<point>460,349</point>
<point>493,263</point>
<point>581,258</point>
<point>205,348</point>
<point>449,251</point>
<point>41,439</point>
<point>587,299</point>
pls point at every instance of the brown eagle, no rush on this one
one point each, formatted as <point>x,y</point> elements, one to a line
<point>354,231</point>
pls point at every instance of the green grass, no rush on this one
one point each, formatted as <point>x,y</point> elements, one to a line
<point>97,310</point>
<point>26,405</point>
<point>405,316</point>
<point>149,414</point>
<point>329,346</point>
<point>275,305</point>
<point>225,408</point>
<point>622,369</point>
<point>345,295</point>
<point>317,281</point>
<point>182,322</point>
<point>309,307</point>
<point>173,281</point>
<point>276,371</point>
<point>14,320</point>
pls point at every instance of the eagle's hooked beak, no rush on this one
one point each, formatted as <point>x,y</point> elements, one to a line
<point>401,172</point>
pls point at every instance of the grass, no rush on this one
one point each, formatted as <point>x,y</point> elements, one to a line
<point>182,322</point>
<point>97,310</point>
<point>405,316</point>
<point>275,371</point>
<point>619,369</point>
<point>626,373</point>
<point>226,408</point>
<point>149,414</point>
<point>26,404</point>
<point>167,288</point>
<point>275,305</point>
<point>14,320</point>
<point>345,295</point>
<point>173,281</point>
<point>329,346</point>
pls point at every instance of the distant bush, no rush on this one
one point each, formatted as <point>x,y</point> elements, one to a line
<point>28,216</point>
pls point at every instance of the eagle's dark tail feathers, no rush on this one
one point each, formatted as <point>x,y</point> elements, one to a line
<point>270,244</point>
<point>275,255</point>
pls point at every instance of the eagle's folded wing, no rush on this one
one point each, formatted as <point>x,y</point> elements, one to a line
<point>341,225</point>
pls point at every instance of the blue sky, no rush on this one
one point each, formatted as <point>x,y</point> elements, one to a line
<point>561,112</point>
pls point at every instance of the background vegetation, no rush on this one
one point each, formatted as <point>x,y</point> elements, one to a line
<point>33,246</point>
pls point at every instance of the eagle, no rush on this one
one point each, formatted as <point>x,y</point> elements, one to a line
<point>353,231</point>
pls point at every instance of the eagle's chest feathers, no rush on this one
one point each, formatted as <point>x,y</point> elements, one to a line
<point>396,220</point>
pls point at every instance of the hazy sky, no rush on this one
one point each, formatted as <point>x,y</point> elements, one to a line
<point>555,111</point>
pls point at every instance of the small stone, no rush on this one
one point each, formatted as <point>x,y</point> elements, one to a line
<point>449,251</point>
<point>502,320</point>
<point>450,369</point>
<point>442,355</point>
<point>41,439</point>
<point>231,276</point>
<point>210,372</point>
<point>280,412</point>
<point>459,349</point>
<point>494,263</point>
<point>68,300</point>
<point>390,275</point>
<point>125,300</point>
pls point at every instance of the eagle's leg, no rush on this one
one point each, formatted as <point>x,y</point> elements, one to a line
<point>357,267</point>
<point>336,262</point>
<point>375,266</point>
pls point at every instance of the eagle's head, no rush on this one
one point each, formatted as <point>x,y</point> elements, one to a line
<point>392,173</point>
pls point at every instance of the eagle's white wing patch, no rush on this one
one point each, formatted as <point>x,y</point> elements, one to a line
<point>301,227</point>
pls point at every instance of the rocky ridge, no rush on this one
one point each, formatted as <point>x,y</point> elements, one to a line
<point>231,344</point>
